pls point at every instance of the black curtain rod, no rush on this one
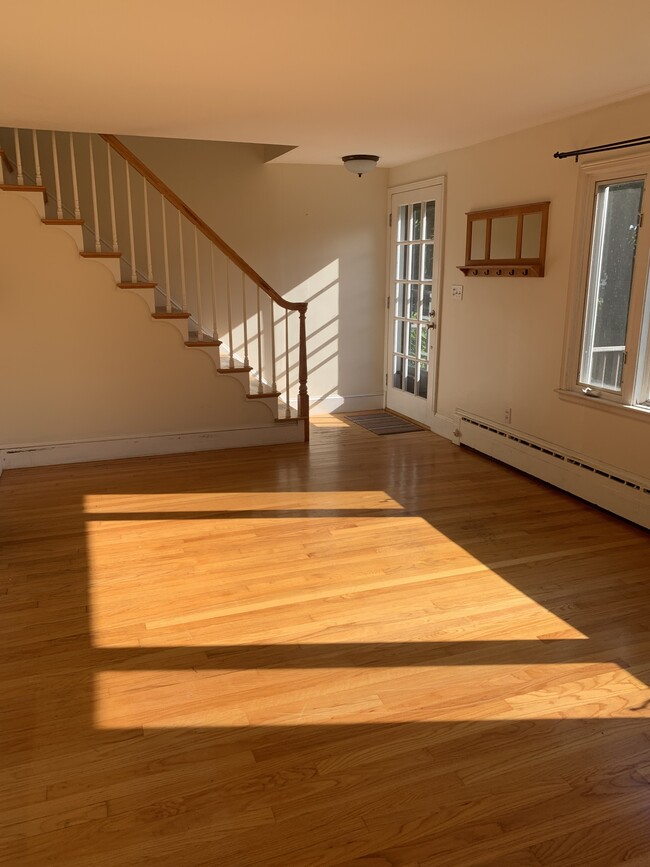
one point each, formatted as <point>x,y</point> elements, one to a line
<point>613,146</point>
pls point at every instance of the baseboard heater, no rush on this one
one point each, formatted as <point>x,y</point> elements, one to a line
<point>604,486</point>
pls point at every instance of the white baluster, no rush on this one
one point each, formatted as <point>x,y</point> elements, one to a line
<point>20,178</point>
<point>215,334</point>
<point>129,204</point>
<point>260,387</point>
<point>111,195</point>
<point>245,311</point>
<point>147,231</point>
<point>274,386</point>
<point>37,159</point>
<point>182,263</point>
<point>199,299</point>
<point>287,411</point>
<point>93,187</point>
<point>75,187</point>
<point>168,288</point>
<point>232,358</point>
<point>57,179</point>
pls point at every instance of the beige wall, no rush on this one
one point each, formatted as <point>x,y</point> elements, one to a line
<point>502,345</point>
<point>82,359</point>
<point>315,233</point>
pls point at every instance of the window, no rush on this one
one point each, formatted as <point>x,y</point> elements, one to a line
<point>609,352</point>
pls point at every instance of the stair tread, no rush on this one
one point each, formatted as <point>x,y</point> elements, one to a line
<point>54,222</point>
<point>263,394</point>
<point>25,188</point>
<point>175,314</point>
<point>87,255</point>
<point>125,285</point>
<point>226,369</point>
<point>199,343</point>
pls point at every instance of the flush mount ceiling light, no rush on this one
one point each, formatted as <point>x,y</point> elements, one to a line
<point>359,164</point>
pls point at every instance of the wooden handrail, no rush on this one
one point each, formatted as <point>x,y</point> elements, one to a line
<point>201,225</point>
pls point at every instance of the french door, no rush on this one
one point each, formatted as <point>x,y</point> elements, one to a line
<point>413,302</point>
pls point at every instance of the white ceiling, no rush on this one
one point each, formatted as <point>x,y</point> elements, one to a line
<point>400,79</point>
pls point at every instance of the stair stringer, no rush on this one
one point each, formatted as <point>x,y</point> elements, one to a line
<point>96,368</point>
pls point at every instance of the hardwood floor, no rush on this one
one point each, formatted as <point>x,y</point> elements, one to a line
<point>371,651</point>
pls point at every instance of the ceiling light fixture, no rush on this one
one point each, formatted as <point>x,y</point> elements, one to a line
<point>359,164</point>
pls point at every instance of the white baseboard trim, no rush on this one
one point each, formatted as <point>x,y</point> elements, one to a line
<point>48,454</point>
<point>445,427</point>
<point>344,403</point>
<point>605,486</point>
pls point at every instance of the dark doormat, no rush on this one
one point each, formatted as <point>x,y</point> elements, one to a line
<point>382,423</point>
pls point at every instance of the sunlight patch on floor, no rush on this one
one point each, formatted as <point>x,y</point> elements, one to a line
<point>98,507</point>
<point>207,568</point>
<point>327,422</point>
<point>343,696</point>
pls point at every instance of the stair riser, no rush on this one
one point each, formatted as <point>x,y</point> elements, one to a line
<point>213,352</point>
<point>75,232</point>
<point>147,294</point>
<point>36,199</point>
<point>271,402</point>
<point>113,266</point>
<point>179,324</point>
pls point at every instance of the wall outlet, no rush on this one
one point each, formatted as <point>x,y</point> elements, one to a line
<point>457,291</point>
<point>507,416</point>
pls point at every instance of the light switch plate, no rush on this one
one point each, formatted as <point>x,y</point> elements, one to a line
<point>457,291</point>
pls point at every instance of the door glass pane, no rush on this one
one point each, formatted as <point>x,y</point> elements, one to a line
<point>402,264</point>
<point>613,247</point>
<point>429,220</point>
<point>413,301</point>
<point>402,223</point>
<point>409,385</point>
<point>398,367</point>
<point>427,273</point>
<point>415,262</point>
<point>400,300</point>
<point>416,222</point>
<point>423,380</point>
<point>426,302</point>
<point>413,339</point>
<point>399,337</point>
<point>424,342</point>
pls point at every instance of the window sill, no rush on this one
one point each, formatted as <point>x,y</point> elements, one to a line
<point>640,413</point>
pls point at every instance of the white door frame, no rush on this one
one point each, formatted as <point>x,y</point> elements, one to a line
<point>441,181</point>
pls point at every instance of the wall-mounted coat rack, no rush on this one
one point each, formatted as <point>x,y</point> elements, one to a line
<point>507,242</point>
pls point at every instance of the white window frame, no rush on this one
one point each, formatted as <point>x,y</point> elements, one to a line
<point>636,370</point>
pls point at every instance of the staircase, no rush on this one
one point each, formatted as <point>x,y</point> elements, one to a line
<point>119,213</point>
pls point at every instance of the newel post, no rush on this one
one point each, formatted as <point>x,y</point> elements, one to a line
<point>303,396</point>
